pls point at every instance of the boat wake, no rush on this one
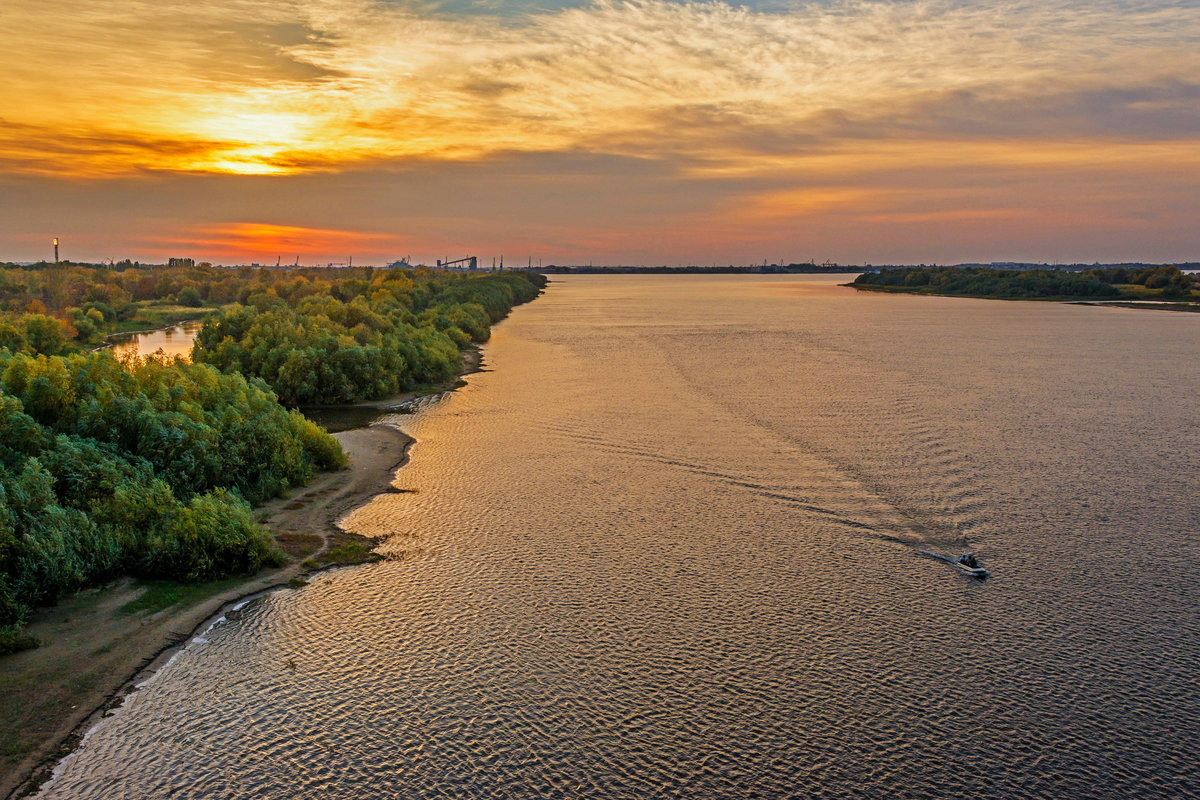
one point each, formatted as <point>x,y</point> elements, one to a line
<point>973,570</point>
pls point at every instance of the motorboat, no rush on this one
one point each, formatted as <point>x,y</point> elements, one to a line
<point>970,565</point>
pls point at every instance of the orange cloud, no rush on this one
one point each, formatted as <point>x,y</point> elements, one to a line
<point>262,87</point>
<point>253,241</point>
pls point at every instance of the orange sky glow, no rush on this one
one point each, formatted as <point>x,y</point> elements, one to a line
<point>268,243</point>
<point>607,132</point>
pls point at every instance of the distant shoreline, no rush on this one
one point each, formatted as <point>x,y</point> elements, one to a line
<point>826,268</point>
<point>1140,305</point>
<point>767,269</point>
<point>1164,287</point>
<point>1151,305</point>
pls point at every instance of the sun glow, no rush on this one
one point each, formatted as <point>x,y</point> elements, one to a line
<point>377,82</point>
<point>667,113</point>
<point>256,141</point>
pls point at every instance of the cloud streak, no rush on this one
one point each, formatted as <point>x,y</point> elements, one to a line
<point>285,87</point>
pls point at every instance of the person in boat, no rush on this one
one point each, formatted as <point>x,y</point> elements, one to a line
<point>969,560</point>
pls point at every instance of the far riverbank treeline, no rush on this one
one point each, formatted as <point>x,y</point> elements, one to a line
<point>1103,283</point>
<point>151,468</point>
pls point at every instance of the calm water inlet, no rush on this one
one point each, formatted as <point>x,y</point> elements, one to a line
<point>170,342</point>
<point>683,539</point>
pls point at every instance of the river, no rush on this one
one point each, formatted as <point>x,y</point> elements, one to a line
<point>682,539</point>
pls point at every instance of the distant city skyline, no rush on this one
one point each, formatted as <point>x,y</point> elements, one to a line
<point>645,132</point>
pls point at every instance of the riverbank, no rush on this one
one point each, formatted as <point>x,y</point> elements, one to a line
<point>337,418</point>
<point>1142,305</point>
<point>100,643</point>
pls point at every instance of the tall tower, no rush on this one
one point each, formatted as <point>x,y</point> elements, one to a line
<point>55,249</point>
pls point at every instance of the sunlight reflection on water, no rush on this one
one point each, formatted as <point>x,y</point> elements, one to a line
<point>671,545</point>
<point>174,341</point>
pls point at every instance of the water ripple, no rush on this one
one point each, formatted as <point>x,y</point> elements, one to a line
<point>666,549</point>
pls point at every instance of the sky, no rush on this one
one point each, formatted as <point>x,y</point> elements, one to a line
<point>641,132</point>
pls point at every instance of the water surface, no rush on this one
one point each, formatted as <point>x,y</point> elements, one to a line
<point>681,540</point>
<point>170,342</point>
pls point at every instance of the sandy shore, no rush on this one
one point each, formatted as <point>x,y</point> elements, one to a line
<point>95,650</point>
<point>94,653</point>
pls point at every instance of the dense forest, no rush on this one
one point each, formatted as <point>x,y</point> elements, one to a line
<point>151,467</point>
<point>58,308</point>
<point>365,338</point>
<point>1114,283</point>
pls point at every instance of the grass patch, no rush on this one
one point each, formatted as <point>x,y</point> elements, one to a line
<point>14,639</point>
<point>14,750</point>
<point>158,595</point>
<point>344,548</point>
<point>298,545</point>
<point>348,553</point>
<point>84,682</point>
